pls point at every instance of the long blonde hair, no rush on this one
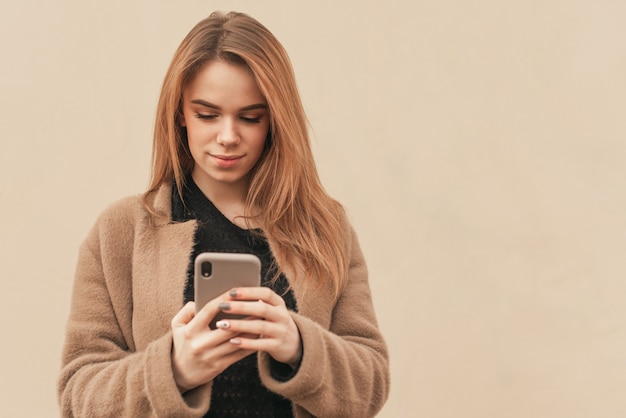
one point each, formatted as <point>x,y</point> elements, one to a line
<point>285,195</point>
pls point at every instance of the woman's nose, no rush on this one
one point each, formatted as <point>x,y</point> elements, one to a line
<point>227,134</point>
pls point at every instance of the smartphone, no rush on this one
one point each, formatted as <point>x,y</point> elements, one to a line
<point>216,273</point>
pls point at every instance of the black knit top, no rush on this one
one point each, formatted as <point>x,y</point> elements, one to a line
<point>238,391</point>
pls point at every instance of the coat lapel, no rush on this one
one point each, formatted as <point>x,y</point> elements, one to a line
<point>160,271</point>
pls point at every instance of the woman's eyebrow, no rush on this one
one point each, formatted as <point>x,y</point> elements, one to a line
<point>216,107</point>
<point>205,103</point>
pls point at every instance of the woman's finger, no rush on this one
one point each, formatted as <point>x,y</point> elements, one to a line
<point>255,309</point>
<point>281,341</point>
<point>184,316</point>
<point>256,293</point>
<point>278,337</point>
<point>204,316</point>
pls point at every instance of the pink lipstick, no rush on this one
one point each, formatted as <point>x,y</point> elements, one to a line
<point>226,161</point>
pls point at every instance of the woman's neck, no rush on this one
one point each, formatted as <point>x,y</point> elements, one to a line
<point>228,198</point>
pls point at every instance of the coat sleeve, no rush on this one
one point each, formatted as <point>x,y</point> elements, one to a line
<point>345,369</point>
<point>101,374</point>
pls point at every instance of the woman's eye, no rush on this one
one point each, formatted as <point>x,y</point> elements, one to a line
<point>205,117</point>
<point>251,120</point>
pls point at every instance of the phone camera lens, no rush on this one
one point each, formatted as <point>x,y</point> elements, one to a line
<point>207,269</point>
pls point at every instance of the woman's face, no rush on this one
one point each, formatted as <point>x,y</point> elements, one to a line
<point>227,122</point>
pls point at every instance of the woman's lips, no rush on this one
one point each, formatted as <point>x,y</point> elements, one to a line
<point>226,161</point>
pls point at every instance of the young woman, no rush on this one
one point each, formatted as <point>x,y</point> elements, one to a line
<point>232,172</point>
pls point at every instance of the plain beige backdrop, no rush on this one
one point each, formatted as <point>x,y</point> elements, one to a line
<point>479,147</point>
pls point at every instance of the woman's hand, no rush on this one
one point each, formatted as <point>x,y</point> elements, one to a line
<point>199,353</point>
<point>267,318</point>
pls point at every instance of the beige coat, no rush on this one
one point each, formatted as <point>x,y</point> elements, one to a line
<point>129,285</point>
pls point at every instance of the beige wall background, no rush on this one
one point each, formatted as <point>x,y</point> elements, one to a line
<point>479,147</point>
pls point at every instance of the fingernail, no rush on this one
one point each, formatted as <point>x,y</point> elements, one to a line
<point>235,341</point>
<point>222,324</point>
<point>224,306</point>
<point>233,293</point>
